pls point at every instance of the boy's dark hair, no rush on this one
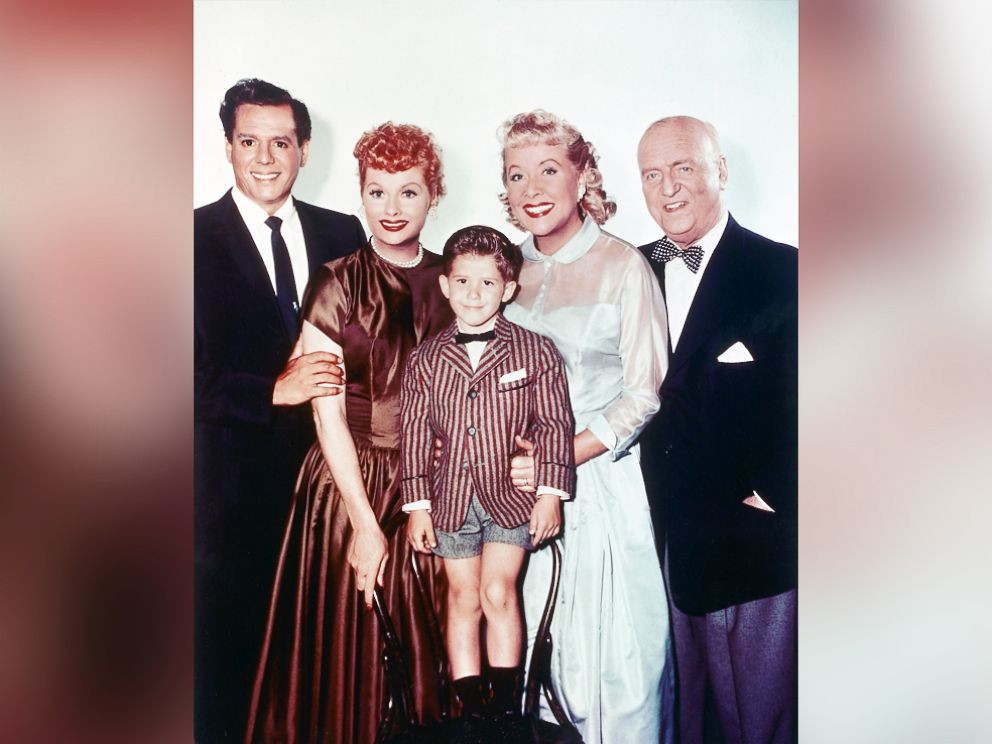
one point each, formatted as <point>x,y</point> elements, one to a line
<point>261,93</point>
<point>479,240</point>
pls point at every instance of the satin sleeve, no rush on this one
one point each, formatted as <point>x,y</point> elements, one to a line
<point>643,352</point>
<point>327,304</point>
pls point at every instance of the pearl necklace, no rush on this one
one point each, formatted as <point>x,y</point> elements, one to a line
<point>399,264</point>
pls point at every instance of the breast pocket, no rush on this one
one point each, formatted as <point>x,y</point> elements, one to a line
<point>511,385</point>
<point>515,404</point>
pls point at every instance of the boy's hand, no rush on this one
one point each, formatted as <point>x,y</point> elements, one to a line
<point>545,519</point>
<point>420,531</point>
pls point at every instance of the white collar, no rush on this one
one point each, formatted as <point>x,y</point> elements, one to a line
<point>712,238</point>
<point>251,213</point>
<point>576,247</point>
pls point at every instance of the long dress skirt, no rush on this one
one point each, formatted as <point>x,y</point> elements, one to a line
<point>611,662</point>
<point>321,679</point>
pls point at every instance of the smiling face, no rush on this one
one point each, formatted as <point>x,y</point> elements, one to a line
<point>265,153</point>
<point>475,289</point>
<point>542,190</point>
<point>396,206</point>
<point>682,175</point>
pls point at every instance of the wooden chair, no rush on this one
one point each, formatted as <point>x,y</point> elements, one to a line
<point>398,723</point>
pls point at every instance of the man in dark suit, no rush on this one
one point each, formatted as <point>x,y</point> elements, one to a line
<point>254,251</point>
<point>720,457</point>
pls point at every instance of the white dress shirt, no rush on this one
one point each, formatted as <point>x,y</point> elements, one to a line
<point>681,284</point>
<point>291,230</point>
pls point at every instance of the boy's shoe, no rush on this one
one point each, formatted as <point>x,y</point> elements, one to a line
<point>473,729</point>
<point>512,728</point>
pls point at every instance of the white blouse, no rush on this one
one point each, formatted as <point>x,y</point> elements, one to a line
<point>598,300</point>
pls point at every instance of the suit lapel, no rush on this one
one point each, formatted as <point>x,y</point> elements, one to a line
<point>454,354</point>
<point>233,234</point>
<point>658,267</point>
<point>717,295</point>
<point>313,236</point>
<point>496,351</point>
<point>660,273</point>
<point>494,355</point>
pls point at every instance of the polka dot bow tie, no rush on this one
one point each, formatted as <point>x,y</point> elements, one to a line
<point>665,250</point>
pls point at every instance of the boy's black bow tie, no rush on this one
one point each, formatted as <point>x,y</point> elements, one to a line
<point>464,338</point>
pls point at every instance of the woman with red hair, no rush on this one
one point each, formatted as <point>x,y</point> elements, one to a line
<point>320,678</point>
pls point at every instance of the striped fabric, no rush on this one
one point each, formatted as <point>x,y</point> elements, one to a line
<point>476,416</point>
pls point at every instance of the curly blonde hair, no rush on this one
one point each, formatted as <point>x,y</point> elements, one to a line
<point>541,127</point>
<point>399,147</point>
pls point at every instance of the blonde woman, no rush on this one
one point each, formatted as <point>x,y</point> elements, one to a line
<point>596,297</point>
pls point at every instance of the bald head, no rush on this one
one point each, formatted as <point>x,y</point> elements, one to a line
<point>688,124</point>
<point>683,173</point>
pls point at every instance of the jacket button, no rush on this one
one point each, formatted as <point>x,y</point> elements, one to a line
<point>471,431</point>
<point>473,393</point>
<point>465,465</point>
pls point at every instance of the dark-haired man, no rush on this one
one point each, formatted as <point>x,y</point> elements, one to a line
<point>254,250</point>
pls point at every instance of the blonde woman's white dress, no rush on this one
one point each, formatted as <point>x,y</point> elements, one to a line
<point>598,300</point>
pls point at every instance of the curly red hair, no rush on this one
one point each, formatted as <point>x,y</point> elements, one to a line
<point>399,147</point>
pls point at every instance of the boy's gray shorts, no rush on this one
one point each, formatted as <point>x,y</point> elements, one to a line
<point>479,528</point>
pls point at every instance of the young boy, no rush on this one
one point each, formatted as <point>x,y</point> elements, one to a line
<point>474,387</point>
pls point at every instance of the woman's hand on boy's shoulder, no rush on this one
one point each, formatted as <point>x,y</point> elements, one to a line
<point>522,472</point>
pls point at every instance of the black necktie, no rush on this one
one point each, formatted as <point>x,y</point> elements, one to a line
<point>464,338</point>
<point>665,250</point>
<point>285,283</point>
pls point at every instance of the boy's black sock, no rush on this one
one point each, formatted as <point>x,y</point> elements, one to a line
<point>469,692</point>
<point>508,687</point>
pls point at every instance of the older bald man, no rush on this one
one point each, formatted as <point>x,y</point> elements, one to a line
<point>720,457</point>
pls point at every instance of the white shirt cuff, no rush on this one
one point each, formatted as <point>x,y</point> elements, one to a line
<point>417,506</point>
<point>542,490</point>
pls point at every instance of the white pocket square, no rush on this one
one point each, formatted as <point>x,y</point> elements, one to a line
<point>513,376</point>
<point>735,354</point>
<point>757,502</point>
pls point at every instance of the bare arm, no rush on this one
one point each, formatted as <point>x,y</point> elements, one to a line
<point>308,376</point>
<point>368,551</point>
<point>587,446</point>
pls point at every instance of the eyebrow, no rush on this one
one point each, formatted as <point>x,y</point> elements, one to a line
<point>249,135</point>
<point>547,160</point>
<point>404,186</point>
<point>670,165</point>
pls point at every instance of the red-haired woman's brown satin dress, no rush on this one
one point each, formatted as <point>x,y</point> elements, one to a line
<point>320,677</point>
